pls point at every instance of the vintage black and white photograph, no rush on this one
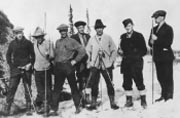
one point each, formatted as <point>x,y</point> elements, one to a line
<point>89,59</point>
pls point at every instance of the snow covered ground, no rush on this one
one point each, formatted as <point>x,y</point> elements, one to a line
<point>170,109</point>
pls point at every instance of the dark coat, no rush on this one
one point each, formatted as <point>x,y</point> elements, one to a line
<point>20,53</point>
<point>82,64</point>
<point>162,46</point>
<point>134,49</point>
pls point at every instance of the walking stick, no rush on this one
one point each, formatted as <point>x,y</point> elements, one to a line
<point>152,32</point>
<point>45,101</point>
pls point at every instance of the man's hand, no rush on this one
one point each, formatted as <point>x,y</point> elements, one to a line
<point>153,38</point>
<point>28,66</point>
<point>73,62</point>
<point>101,53</point>
<point>120,52</point>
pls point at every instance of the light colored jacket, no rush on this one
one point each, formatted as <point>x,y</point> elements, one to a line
<point>107,45</point>
<point>46,48</point>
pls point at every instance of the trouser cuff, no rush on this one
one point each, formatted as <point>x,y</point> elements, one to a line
<point>129,93</point>
<point>142,92</point>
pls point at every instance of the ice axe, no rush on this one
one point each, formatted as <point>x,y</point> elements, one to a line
<point>152,49</point>
<point>23,72</point>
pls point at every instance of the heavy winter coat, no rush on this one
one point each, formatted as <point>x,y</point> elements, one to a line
<point>134,48</point>
<point>20,53</point>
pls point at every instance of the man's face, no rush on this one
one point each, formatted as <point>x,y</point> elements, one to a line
<point>129,28</point>
<point>159,19</point>
<point>63,34</point>
<point>80,29</point>
<point>19,35</point>
<point>99,31</point>
<point>39,39</point>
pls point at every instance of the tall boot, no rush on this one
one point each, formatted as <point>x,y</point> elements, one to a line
<point>93,104</point>
<point>7,109</point>
<point>143,101</point>
<point>129,102</point>
<point>28,109</point>
<point>112,103</point>
<point>78,110</point>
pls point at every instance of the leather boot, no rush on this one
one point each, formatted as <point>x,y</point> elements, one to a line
<point>93,104</point>
<point>7,109</point>
<point>159,99</point>
<point>78,110</point>
<point>28,107</point>
<point>143,101</point>
<point>112,103</point>
<point>129,102</point>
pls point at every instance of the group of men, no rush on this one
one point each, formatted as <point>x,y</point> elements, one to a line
<point>81,58</point>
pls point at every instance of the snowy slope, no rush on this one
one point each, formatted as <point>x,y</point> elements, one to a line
<point>170,109</point>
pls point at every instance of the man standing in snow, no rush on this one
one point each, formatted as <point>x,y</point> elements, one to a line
<point>101,51</point>
<point>160,41</point>
<point>133,48</point>
<point>44,52</point>
<point>65,60</point>
<point>20,57</point>
<point>82,72</point>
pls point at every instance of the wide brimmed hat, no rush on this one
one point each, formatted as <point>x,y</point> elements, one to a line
<point>127,21</point>
<point>99,24</point>
<point>79,23</point>
<point>159,13</point>
<point>63,27</point>
<point>18,29</point>
<point>38,32</point>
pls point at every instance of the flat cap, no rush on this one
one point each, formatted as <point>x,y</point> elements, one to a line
<point>79,23</point>
<point>159,13</point>
<point>127,21</point>
<point>18,29</point>
<point>62,27</point>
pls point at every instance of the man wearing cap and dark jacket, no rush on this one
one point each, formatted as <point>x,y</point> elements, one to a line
<point>82,72</point>
<point>65,60</point>
<point>44,51</point>
<point>160,41</point>
<point>133,48</point>
<point>20,57</point>
<point>101,51</point>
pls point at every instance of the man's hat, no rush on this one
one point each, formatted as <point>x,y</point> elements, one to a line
<point>18,29</point>
<point>99,24</point>
<point>159,13</point>
<point>79,23</point>
<point>127,21</point>
<point>38,32</point>
<point>63,27</point>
